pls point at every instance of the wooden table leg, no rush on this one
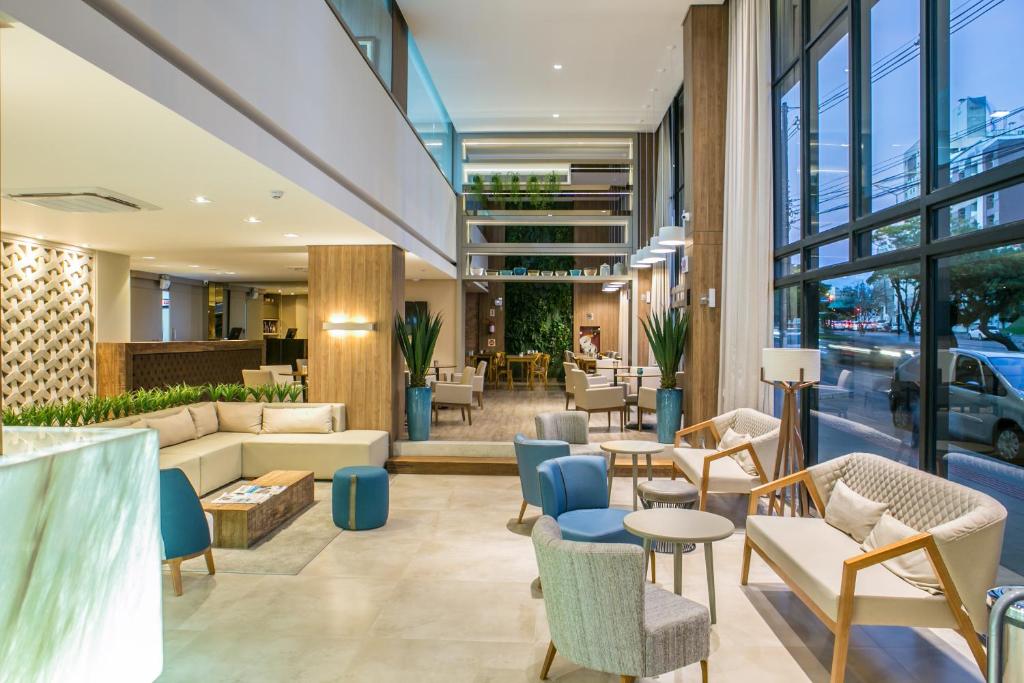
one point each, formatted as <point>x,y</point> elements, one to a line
<point>611,476</point>
<point>647,556</point>
<point>650,468</point>
<point>709,562</point>
<point>636,466</point>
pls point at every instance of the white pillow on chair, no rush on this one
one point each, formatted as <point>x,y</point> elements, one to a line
<point>852,513</point>
<point>732,439</point>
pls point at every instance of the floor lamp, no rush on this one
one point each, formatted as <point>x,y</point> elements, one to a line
<point>789,371</point>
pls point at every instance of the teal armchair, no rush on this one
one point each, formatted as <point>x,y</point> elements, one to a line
<point>184,526</point>
<point>529,454</point>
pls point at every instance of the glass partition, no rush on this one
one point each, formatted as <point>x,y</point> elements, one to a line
<point>370,24</point>
<point>427,113</point>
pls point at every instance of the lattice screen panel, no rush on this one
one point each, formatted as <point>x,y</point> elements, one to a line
<point>48,325</point>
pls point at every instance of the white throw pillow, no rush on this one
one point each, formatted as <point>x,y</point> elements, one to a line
<point>205,418</point>
<point>297,420</point>
<point>242,417</point>
<point>731,439</point>
<point>852,513</point>
<point>915,568</point>
<point>173,429</point>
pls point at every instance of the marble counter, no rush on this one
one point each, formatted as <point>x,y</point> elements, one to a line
<point>79,555</point>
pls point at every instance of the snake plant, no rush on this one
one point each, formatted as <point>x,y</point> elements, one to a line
<point>417,337</point>
<point>666,334</point>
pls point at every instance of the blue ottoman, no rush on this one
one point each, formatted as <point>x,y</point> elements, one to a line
<point>360,496</point>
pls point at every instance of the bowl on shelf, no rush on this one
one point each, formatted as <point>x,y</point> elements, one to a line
<point>505,272</point>
<point>590,272</point>
<point>477,272</point>
<point>575,272</point>
<point>533,273</point>
<point>561,273</point>
<point>519,270</point>
<point>547,273</point>
<point>493,273</point>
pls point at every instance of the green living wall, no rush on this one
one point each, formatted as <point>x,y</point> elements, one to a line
<point>538,316</point>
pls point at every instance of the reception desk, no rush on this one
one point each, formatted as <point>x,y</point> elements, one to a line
<point>126,366</point>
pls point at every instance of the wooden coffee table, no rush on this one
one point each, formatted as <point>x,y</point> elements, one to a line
<point>239,525</point>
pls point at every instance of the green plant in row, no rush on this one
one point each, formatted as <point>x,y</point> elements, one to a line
<point>94,410</point>
<point>508,191</point>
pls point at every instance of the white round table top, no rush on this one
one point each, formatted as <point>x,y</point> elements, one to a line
<point>675,525</point>
<point>631,447</point>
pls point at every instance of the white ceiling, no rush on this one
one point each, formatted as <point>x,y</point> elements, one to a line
<point>492,61</point>
<point>65,123</point>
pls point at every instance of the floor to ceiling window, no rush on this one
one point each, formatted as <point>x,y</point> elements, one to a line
<point>899,230</point>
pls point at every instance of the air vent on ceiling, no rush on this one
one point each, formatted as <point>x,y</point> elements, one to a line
<point>81,200</point>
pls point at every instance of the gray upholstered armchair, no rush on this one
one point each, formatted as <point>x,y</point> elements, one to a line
<point>569,426</point>
<point>602,615</point>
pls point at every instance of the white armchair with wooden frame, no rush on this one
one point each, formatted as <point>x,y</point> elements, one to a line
<point>571,381</point>
<point>478,381</point>
<point>933,573</point>
<point>714,466</point>
<point>593,398</point>
<point>455,395</point>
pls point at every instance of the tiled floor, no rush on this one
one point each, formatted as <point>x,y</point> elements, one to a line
<point>507,412</point>
<point>442,593</point>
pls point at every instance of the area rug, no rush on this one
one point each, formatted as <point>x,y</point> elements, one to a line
<point>285,551</point>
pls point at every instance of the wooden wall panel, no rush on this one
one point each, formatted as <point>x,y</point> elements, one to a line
<point>705,73</point>
<point>363,370</point>
<point>603,307</point>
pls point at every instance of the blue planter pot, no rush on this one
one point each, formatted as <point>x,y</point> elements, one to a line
<point>417,411</point>
<point>670,413</point>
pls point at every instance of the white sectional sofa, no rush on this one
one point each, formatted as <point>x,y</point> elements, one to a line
<point>213,460</point>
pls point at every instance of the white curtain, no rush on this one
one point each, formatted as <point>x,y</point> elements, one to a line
<point>747,241</point>
<point>660,296</point>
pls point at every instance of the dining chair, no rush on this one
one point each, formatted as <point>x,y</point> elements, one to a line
<point>257,378</point>
<point>282,374</point>
<point>478,382</point>
<point>602,615</point>
<point>529,454</point>
<point>455,395</point>
<point>539,368</point>
<point>502,369</point>
<point>598,398</point>
<point>185,528</point>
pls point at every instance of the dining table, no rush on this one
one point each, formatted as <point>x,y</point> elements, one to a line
<point>521,359</point>
<point>438,367</point>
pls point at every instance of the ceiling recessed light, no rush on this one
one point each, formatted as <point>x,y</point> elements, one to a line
<point>291,234</point>
<point>40,237</point>
<point>252,219</point>
<point>557,67</point>
<point>555,116</point>
<point>230,272</point>
<point>149,258</point>
<point>201,199</point>
<point>85,245</point>
<point>193,265</point>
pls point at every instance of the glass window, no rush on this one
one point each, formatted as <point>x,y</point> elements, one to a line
<point>789,172</point>
<point>900,235</point>
<point>986,211</point>
<point>427,112</point>
<point>788,40</point>
<point>983,105</point>
<point>370,23</point>
<point>829,254</point>
<point>980,378</point>
<point>787,265</point>
<point>822,11</point>
<point>786,331</point>
<point>830,131</point>
<point>868,333</point>
<point>892,51</point>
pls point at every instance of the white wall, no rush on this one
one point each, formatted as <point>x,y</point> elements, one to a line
<point>292,91</point>
<point>295,313</point>
<point>145,307</point>
<point>442,297</point>
<point>113,297</point>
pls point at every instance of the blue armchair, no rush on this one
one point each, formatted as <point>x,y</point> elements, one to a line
<point>183,525</point>
<point>529,454</point>
<point>574,490</point>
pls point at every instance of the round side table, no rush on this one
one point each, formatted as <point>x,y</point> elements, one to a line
<point>679,527</point>
<point>671,493</point>
<point>634,449</point>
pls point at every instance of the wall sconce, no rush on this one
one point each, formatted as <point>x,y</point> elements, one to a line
<point>349,326</point>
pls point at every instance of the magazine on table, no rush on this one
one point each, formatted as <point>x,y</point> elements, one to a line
<point>249,494</point>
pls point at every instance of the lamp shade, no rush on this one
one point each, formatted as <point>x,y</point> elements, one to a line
<point>635,262</point>
<point>658,247</point>
<point>646,256</point>
<point>785,365</point>
<point>672,235</point>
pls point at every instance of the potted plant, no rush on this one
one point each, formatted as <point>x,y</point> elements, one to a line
<point>666,334</point>
<point>417,337</point>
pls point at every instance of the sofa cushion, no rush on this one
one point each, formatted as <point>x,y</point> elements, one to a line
<point>219,456</point>
<point>186,462</point>
<point>315,420</point>
<point>852,513</point>
<point>725,475</point>
<point>173,429</point>
<point>733,438</point>
<point>241,417</point>
<point>811,553</point>
<point>337,411</point>
<point>914,567</point>
<point>205,418</point>
<point>321,453</point>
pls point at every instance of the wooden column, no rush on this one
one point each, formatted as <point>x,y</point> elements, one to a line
<point>705,73</point>
<point>363,370</point>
